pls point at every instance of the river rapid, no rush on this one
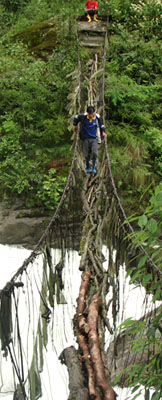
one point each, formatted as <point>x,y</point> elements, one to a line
<point>54,377</point>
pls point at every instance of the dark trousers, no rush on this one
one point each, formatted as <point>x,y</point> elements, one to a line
<point>91,12</point>
<point>90,148</point>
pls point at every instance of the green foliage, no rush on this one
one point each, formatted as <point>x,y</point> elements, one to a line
<point>24,13</point>
<point>13,5</point>
<point>33,121</point>
<point>148,330</point>
<point>133,89</point>
<point>144,16</point>
<point>34,92</point>
<point>19,175</point>
<point>51,189</point>
<point>150,223</point>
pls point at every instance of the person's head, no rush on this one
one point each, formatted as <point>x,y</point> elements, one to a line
<point>90,111</point>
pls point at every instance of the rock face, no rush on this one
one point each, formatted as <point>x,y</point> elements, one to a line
<point>19,227</point>
<point>120,356</point>
<point>25,231</point>
<point>40,38</point>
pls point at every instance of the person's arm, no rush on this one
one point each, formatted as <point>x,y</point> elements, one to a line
<point>76,120</point>
<point>102,127</point>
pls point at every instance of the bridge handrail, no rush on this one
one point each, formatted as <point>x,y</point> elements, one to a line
<point>124,217</point>
<point>9,285</point>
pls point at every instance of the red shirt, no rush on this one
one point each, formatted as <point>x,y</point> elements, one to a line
<point>91,4</point>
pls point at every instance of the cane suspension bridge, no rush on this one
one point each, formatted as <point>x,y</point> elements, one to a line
<point>89,216</point>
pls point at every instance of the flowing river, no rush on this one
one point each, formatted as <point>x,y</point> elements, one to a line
<point>54,376</point>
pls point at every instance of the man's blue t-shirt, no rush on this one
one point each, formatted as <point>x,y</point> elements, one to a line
<point>90,129</point>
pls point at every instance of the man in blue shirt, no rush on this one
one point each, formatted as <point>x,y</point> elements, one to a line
<point>89,123</point>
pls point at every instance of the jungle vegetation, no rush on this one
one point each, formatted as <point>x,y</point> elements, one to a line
<point>148,329</point>
<point>36,80</point>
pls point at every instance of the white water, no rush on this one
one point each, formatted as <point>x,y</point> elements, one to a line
<point>54,377</point>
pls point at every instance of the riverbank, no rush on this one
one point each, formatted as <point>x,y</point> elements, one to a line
<point>24,227</point>
<point>19,227</point>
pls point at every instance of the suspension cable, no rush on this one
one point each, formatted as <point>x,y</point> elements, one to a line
<point>124,217</point>
<point>9,285</point>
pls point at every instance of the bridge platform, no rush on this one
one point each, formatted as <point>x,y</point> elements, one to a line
<point>92,34</point>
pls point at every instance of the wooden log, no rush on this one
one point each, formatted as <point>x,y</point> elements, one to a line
<point>82,292</point>
<point>87,361</point>
<point>81,339</point>
<point>85,202</point>
<point>78,390</point>
<point>93,27</point>
<point>82,323</point>
<point>95,353</point>
<point>93,44</point>
<point>92,39</point>
<point>84,256</point>
<point>96,269</point>
<point>105,308</point>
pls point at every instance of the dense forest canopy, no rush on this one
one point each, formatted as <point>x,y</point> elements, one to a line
<point>36,81</point>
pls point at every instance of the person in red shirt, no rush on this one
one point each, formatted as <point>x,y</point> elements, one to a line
<point>91,10</point>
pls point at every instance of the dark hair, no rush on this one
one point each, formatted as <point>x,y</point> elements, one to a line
<point>90,109</point>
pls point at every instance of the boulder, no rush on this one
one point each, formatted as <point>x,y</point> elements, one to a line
<point>17,227</point>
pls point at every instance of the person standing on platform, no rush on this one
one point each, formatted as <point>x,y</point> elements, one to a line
<point>91,10</point>
<point>89,122</point>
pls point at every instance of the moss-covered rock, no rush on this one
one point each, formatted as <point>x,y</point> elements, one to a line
<point>40,38</point>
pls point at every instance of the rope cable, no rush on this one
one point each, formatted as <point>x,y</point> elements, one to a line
<point>9,285</point>
<point>124,217</point>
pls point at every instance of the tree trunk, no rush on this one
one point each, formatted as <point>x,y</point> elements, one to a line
<point>78,390</point>
<point>95,353</point>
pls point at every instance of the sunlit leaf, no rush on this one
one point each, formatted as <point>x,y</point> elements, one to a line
<point>159,199</point>
<point>142,221</point>
<point>142,261</point>
<point>147,278</point>
<point>152,225</point>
